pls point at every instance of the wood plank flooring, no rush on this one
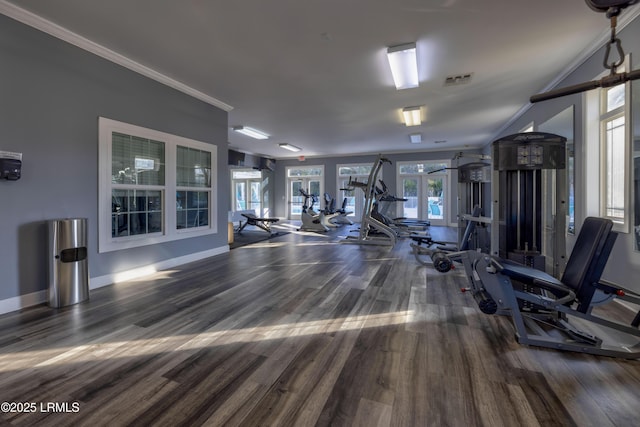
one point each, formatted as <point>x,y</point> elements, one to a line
<point>298,331</point>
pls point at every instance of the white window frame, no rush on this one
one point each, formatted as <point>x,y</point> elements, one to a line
<point>594,153</point>
<point>107,243</point>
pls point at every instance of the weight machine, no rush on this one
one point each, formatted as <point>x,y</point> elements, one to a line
<point>529,187</point>
<point>558,314</point>
<point>474,202</point>
<point>474,215</point>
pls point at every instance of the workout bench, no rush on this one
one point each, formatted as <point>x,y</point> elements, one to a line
<point>251,219</point>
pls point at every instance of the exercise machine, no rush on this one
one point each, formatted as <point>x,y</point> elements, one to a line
<point>384,201</point>
<point>558,314</point>
<point>435,253</point>
<point>529,193</point>
<point>311,221</point>
<point>371,231</point>
<point>262,223</point>
<point>324,216</point>
<point>339,216</point>
<point>474,203</point>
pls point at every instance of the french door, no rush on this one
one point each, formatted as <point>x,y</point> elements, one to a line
<point>247,190</point>
<point>424,187</point>
<point>310,186</point>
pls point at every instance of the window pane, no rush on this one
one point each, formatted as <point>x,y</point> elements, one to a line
<point>246,174</point>
<point>136,160</point>
<point>296,198</point>
<point>410,193</point>
<point>615,167</point>
<point>420,168</point>
<point>435,198</point>
<point>354,170</point>
<point>119,216</point>
<point>241,196</point>
<point>136,212</point>
<point>310,171</point>
<point>615,97</point>
<point>193,167</point>
<point>192,209</point>
<point>314,188</point>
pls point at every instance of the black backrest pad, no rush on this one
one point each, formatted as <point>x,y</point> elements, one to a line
<point>588,257</point>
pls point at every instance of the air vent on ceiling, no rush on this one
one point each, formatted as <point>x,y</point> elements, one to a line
<point>459,79</point>
<point>440,141</point>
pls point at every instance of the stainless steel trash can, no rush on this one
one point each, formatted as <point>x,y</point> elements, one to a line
<point>68,262</point>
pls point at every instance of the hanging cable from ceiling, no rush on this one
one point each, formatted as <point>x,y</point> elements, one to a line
<point>612,8</point>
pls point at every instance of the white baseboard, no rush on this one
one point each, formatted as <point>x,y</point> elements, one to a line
<point>17,303</point>
<point>23,301</point>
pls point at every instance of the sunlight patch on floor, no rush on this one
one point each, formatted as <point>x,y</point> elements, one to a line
<point>98,351</point>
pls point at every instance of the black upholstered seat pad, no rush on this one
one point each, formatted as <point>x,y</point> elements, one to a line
<point>529,275</point>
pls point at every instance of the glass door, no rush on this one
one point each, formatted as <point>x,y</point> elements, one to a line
<point>410,192</point>
<point>309,179</point>
<point>436,207</point>
<point>247,190</point>
<point>424,185</point>
<point>310,186</point>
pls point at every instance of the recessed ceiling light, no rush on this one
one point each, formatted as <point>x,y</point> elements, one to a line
<point>253,133</point>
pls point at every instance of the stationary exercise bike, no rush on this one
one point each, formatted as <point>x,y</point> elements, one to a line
<point>311,221</point>
<point>338,216</point>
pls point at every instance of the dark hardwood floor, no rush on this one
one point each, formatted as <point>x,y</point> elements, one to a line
<point>297,331</point>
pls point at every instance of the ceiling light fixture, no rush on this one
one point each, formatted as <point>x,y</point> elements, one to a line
<point>290,147</point>
<point>412,116</point>
<point>416,138</point>
<point>404,65</point>
<point>253,133</point>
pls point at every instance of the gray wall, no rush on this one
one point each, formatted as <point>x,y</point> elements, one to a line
<point>52,94</point>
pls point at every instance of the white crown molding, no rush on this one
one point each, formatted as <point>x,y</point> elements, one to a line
<point>55,30</point>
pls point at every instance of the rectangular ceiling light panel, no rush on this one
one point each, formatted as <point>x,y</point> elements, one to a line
<point>253,133</point>
<point>404,65</point>
<point>412,116</point>
<point>289,147</point>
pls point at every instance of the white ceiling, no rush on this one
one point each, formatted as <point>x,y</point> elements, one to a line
<point>313,73</point>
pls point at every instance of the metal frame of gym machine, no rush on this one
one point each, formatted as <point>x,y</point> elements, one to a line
<point>474,196</point>
<point>474,201</point>
<point>367,222</point>
<point>529,191</point>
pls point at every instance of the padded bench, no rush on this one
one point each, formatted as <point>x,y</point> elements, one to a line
<point>251,219</point>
